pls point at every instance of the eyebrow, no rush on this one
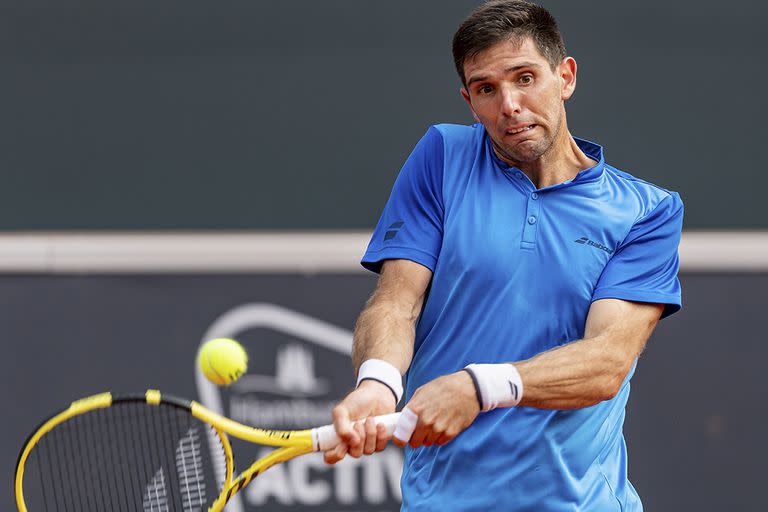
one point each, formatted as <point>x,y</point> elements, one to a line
<point>481,78</point>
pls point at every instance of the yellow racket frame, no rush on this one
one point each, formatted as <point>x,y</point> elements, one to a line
<point>293,442</point>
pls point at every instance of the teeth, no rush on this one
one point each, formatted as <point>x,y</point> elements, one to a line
<point>521,130</point>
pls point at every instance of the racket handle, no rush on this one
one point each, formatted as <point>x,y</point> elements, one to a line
<point>324,438</point>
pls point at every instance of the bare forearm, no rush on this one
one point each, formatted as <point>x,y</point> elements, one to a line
<point>387,326</point>
<point>590,370</point>
<point>384,330</point>
<point>579,374</point>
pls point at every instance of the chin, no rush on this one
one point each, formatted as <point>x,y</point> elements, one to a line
<point>526,151</point>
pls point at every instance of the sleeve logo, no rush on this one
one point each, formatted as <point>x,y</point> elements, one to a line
<point>392,230</point>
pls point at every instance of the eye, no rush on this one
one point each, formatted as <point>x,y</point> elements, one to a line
<point>526,79</point>
<point>485,89</point>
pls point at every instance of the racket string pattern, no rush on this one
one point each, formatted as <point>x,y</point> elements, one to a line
<point>147,453</point>
<point>156,495</point>
<point>126,457</point>
<point>189,467</point>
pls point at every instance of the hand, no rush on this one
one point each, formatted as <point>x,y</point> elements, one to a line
<point>445,407</point>
<point>371,398</point>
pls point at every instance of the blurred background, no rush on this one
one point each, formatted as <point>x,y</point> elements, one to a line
<point>175,171</point>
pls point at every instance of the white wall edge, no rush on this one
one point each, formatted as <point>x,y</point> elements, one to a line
<point>289,252</point>
<point>724,251</point>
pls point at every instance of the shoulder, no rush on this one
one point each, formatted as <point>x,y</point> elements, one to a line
<point>640,195</point>
<point>456,136</point>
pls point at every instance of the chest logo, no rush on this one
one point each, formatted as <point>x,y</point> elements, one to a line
<point>586,241</point>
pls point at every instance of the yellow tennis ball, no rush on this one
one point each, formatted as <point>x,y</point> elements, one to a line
<point>222,360</point>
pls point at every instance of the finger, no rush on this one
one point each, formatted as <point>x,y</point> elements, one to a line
<point>432,436</point>
<point>356,450</point>
<point>370,436</point>
<point>417,438</point>
<point>406,424</point>
<point>335,455</point>
<point>436,433</point>
<point>381,437</point>
<point>442,439</point>
<point>343,425</point>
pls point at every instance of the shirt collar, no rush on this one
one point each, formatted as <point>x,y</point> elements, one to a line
<point>591,149</point>
<point>595,152</point>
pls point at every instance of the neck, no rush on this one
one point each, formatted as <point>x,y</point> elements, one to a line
<point>561,162</point>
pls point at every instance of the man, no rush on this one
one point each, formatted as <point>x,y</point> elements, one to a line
<point>521,276</point>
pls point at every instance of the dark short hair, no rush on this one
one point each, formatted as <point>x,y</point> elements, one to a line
<point>499,20</point>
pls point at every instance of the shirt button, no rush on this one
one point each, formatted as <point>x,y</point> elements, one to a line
<point>531,220</point>
<point>520,175</point>
<point>534,195</point>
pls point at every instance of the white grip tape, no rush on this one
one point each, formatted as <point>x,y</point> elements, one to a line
<point>405,425</point>
<point>499,385</point>
<point>324,438</point>
<point>384,372</point>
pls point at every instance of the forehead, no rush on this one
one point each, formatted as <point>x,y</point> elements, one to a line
<point>504,55</point>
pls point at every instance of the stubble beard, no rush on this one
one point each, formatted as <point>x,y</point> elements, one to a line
<point>524,152</point>
<point>529,150</point>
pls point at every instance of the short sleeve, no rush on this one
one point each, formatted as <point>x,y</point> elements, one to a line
<point>411,225</point>
<point>644,267</point>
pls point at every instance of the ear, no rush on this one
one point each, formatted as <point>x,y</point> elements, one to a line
<point>567,72</point>
<point>465,95</point>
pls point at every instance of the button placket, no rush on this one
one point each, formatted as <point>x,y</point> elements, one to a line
<point>531,222</point>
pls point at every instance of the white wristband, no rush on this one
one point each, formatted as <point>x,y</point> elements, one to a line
<point>384,372</point>
<point>497,385</point>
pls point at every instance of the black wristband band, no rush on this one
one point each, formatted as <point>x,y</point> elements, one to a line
<point>477,387</point>
<point>382,382</point>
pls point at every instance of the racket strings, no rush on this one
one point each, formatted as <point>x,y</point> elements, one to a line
<point>72,449</point>
<point>128,457</point>
<point>217,454</point>
<point>161,493</point>
<point>190,469</point>
<point>154,495</point>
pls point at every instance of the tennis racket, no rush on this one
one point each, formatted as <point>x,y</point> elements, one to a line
<point>147,453</point>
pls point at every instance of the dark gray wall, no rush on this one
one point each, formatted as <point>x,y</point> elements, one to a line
<point>696,418</point>
<point>278,115</point>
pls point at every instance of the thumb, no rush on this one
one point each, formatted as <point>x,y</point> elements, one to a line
<point>343,425</point>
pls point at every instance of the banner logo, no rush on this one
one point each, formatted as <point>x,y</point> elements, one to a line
<point>298,369</point>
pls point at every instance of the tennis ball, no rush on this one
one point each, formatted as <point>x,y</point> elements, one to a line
<point>222,360</point>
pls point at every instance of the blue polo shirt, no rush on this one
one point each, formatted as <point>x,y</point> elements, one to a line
<point>515,269</point>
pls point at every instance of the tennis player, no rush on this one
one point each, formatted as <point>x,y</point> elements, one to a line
<point>521,276</point>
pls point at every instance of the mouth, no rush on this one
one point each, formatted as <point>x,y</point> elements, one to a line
<point>519,129</point>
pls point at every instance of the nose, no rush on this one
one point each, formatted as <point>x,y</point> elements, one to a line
<point>510,102</point>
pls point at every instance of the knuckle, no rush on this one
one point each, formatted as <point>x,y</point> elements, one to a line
<point>416,407</point>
